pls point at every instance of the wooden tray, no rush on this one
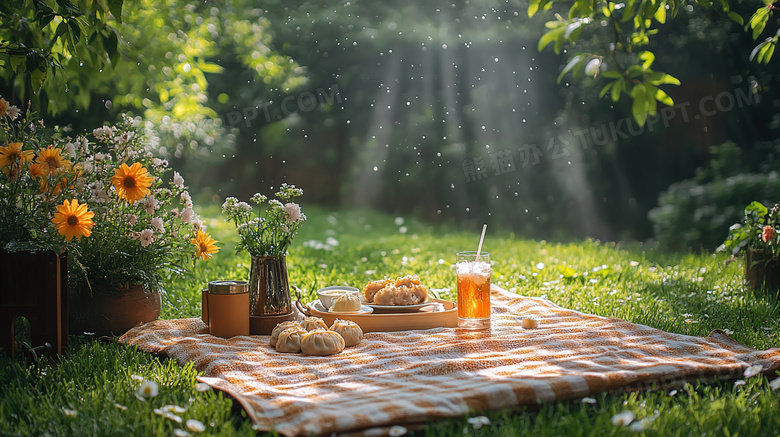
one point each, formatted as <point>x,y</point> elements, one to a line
<point>396,321</point>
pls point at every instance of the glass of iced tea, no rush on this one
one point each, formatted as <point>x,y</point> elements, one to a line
<point>473,290</point>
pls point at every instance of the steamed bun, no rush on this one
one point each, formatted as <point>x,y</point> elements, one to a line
<point>349,331</point>
<point>345,303</point>
<point>322,343</point>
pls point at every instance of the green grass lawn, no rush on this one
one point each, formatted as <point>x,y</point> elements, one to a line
<point>91,391</point>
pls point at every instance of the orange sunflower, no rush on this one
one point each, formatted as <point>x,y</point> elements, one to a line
<point>14,155</point>
<point>206,246</point>
<point>132,183</point>
<point>73,220</point>
<point>51,160</point>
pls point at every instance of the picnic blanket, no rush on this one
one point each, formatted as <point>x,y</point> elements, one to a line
<point>407,377</point>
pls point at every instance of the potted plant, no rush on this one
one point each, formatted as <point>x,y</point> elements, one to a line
<point>757,237</point>
<point>40,217</point>
<point>266,237</point>
<point>145,229</point>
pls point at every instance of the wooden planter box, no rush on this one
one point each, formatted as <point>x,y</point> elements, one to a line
<point>762,273</point>
<point>34,285</point>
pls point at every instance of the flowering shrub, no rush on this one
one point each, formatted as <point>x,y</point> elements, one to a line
<point>37,186</point>
<point>145,225</point>
<point>759,230</point>
<point>270,233</point>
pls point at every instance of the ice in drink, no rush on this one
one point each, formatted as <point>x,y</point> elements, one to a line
<point>473,290</point>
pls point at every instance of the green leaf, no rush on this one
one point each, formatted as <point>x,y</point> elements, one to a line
<point>612,74</point>
<point>769,52</point>
<point>648,58</point>
<point>606,89</point>
<point>638,108</point>
<point>533,7</point>
<point>572,63</point>
<point>111,43</point>
<point>36,68</point>
<point>758,21</point>
<point>551,36</point>
<point>664,98</point>
<point>735,17</point>
<point>619,84</point>
<point>571,27</point>
<point>75,30</point>
<point>115,6</point>
<point>756,50</point>
<point>660,13</point>
<point>756,207</point>
<point>16,61</point>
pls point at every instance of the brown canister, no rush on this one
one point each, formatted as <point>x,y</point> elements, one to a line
<point>226,308</point>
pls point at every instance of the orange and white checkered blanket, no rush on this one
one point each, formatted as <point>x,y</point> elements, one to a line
<point>408,377</point>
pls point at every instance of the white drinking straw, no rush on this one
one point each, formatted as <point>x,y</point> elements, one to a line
<point>481,239</point>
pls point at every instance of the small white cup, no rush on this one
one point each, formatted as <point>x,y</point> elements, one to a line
<point>328,295</point>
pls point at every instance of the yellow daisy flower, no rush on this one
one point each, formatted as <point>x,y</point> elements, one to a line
<point>51,160</point>
<point>73,220</point>
<point>13,155</point>
<point>206,246</point>
<point>132,183</point>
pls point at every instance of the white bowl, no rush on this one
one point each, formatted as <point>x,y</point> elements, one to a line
<point>328,295</point>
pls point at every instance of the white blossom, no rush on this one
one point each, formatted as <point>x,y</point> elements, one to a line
<point>71,149</point>
<point>157,222</point>
<point>186,200</point>
<point>13,112</point>
<point>753,371</point>
<point>187,215</point>
<point>293,211</point>
<point>195,425</point>
<point>623,418</point>
<point>132,219</point>
<point>178,181</point>
<point>396,431</point>
<point>147,237</point>
<point>148,389</point>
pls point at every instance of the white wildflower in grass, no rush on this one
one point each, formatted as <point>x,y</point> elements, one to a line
<point>396,431</point>
<point>478,422</point>
<point>132,219</point>
<point>137,377</point>
<point>398,221</point>
<point>173,409</point>
<point>178,181</point>
<point>739,383</point>
<point>201,387</point>
<point>120,407</point>
<point>172,417</point>
<point>157,222</point>
<point>195,425</point>
<point>148,389</point>
<point>180,433</point>
<point>623,418</point>
<point>775,384</point>
<point>158,411</point>
<point>588,400</point>
<point>641,425</point>
<point>753,371</point>
<point>70,413</point>
<point>147,237</point>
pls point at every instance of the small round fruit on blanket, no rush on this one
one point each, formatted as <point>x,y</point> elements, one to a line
<point>322,343</point>
<point>530,322</point>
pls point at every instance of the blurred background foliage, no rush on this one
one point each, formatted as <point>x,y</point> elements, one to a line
<point>443,110</point>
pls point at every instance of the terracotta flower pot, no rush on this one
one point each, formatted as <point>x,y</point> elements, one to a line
<point>113,313</point>
<point>761,272</point>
